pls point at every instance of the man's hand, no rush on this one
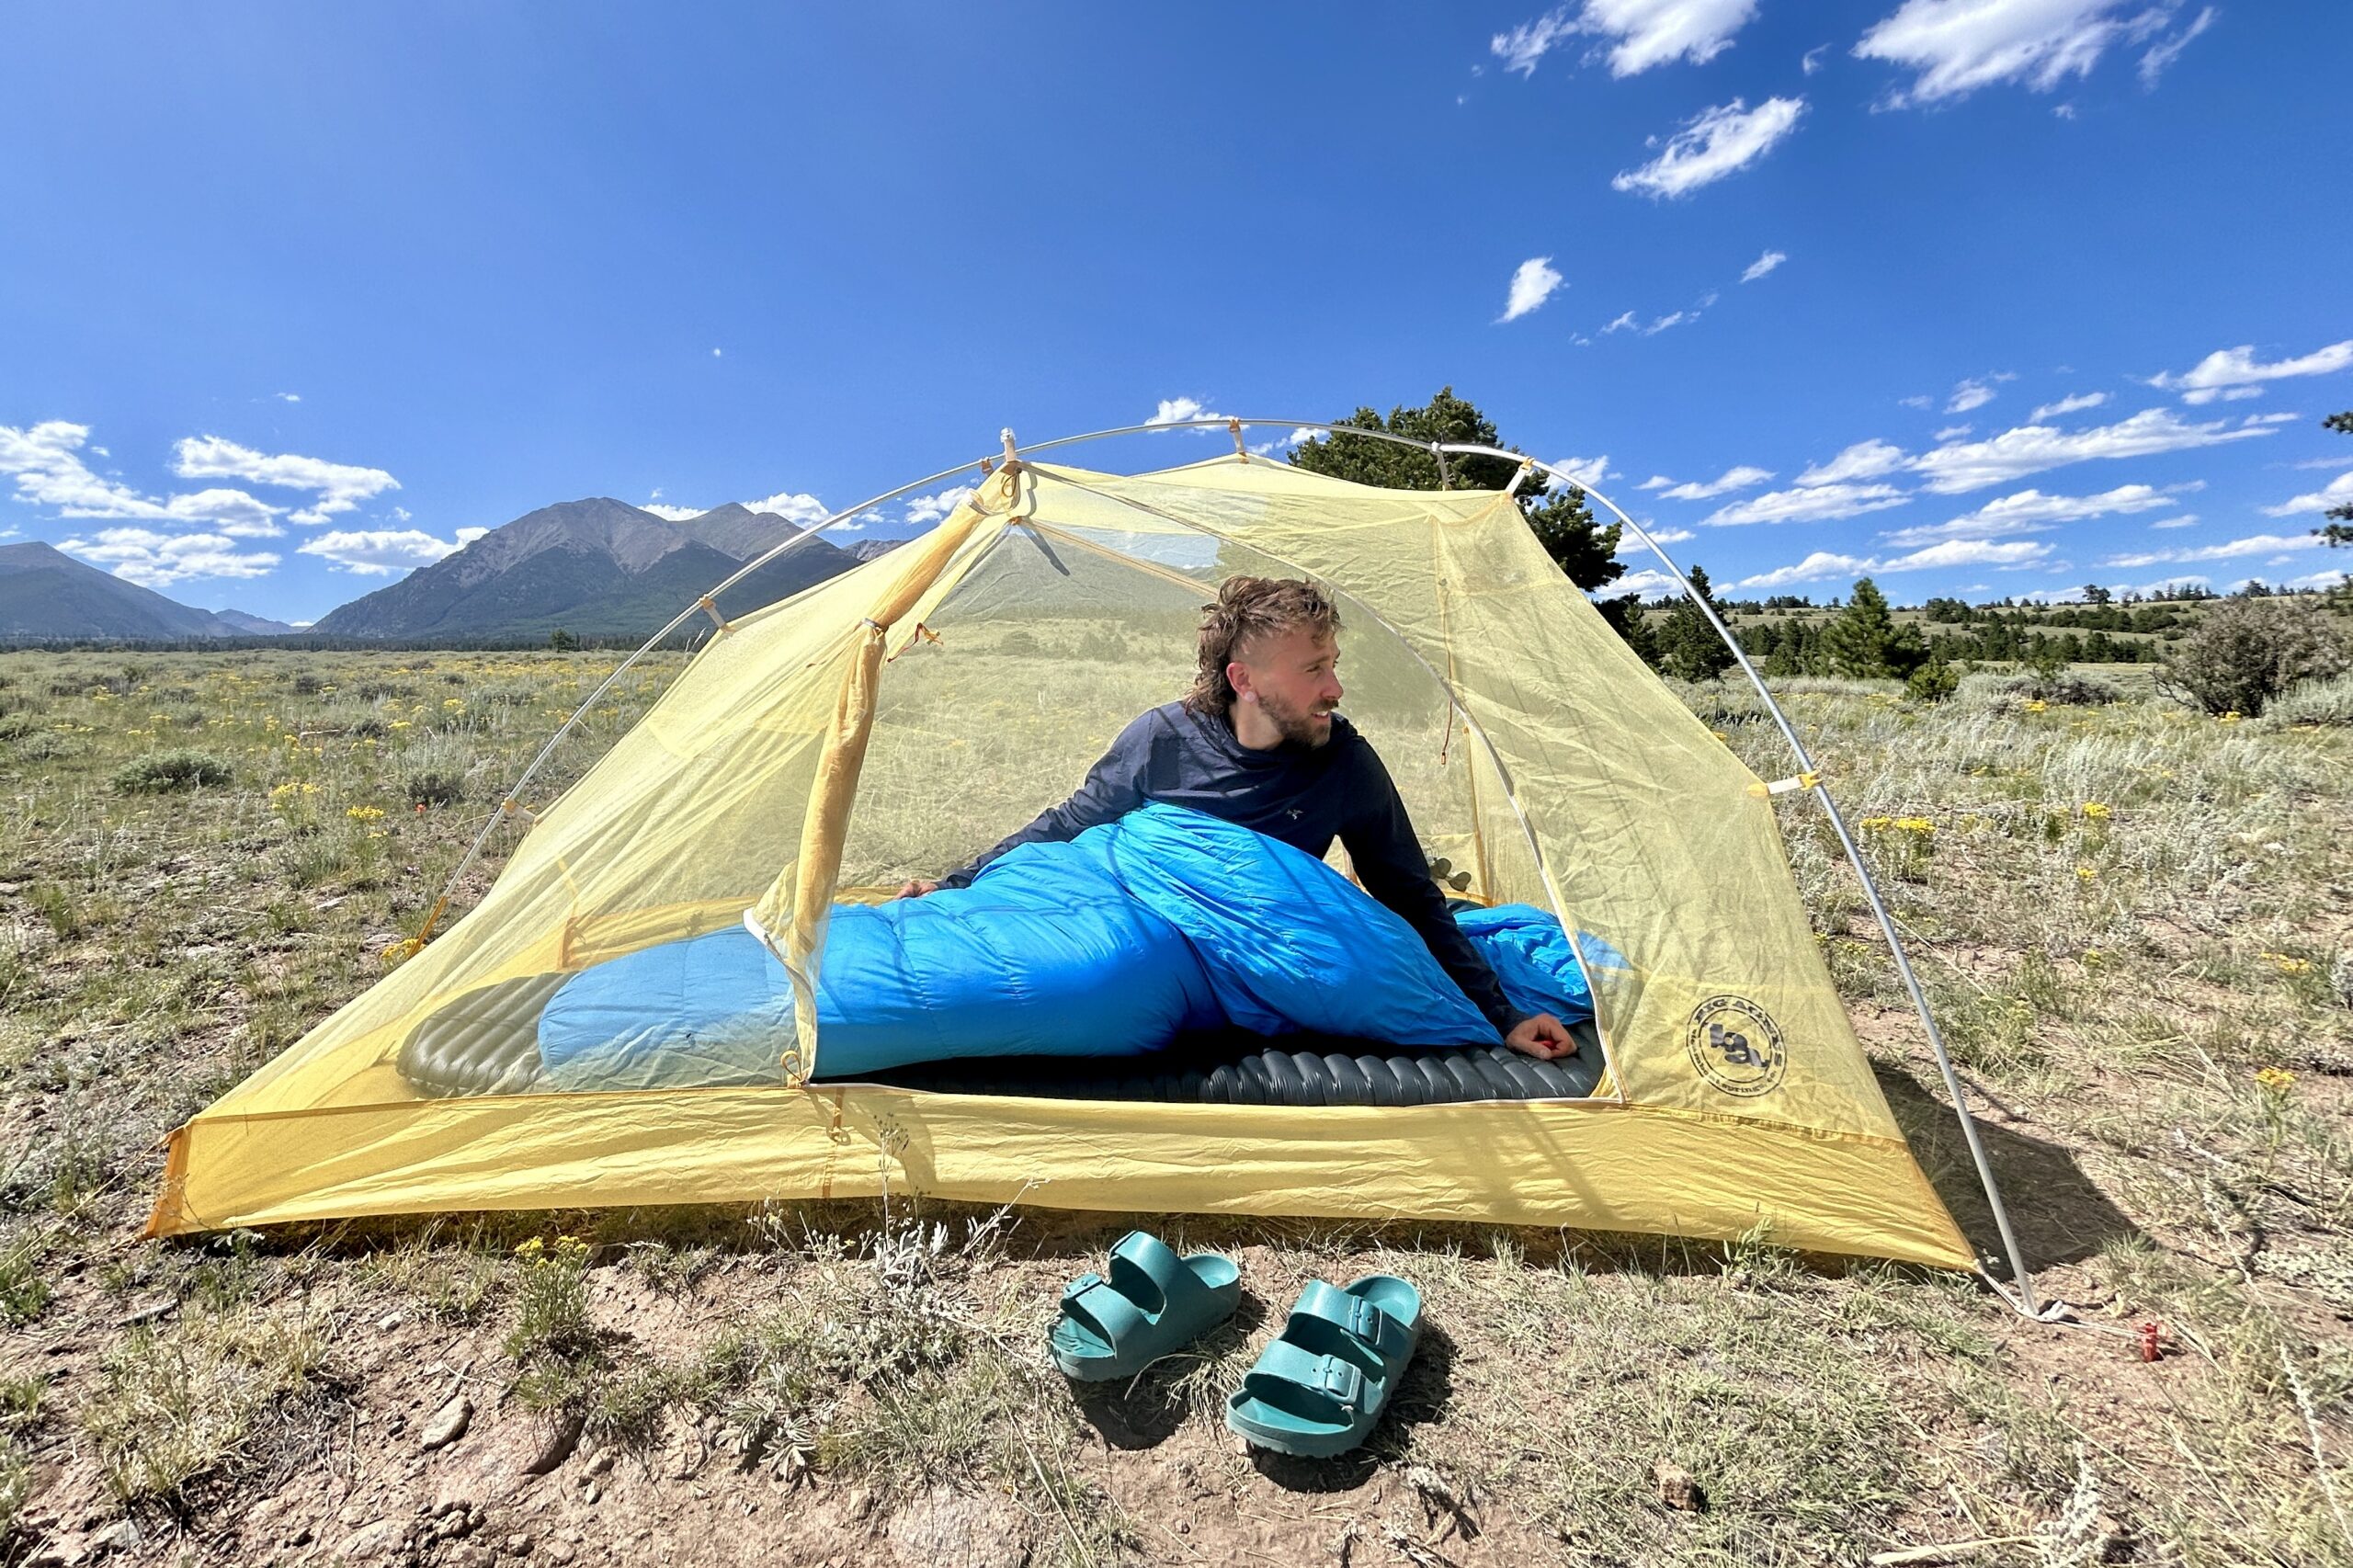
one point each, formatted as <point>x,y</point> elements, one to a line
<point>1543,1037</point>
<point>917,888</point>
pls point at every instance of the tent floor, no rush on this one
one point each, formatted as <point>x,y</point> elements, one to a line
<point>486,1042</point>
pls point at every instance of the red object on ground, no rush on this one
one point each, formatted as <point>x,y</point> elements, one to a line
<point>2152,1341</point>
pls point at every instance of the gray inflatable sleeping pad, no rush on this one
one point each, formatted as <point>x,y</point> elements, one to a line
<point>486,1042</point>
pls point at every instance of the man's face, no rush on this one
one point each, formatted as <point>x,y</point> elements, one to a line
<point>1296,679</point>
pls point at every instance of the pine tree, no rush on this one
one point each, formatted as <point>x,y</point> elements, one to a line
<point>1863,639</point>
<point>1689,647</point>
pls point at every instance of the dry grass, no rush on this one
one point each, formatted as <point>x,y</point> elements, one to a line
<point>2134,921</point>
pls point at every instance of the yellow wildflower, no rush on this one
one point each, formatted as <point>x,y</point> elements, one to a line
<point>2097,811</point>
<point>2287,963</point>
<point>2087,873</point>
<point>2279,1079</point>
<point>365,813</point>
<point>2037,706</point>
<point>2229,718</point>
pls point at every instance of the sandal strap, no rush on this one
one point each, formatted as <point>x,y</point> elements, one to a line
<point>1148,1271</point>
<point>1094,1301</point>
<point>1337,1382</point>
<point>1359,1317</point>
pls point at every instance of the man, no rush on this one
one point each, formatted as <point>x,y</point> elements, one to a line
<point>1257,744</point>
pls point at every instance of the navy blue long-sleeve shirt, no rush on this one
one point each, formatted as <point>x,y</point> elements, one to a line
<point>1305,796</point>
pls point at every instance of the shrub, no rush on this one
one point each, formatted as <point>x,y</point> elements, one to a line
<point>1932,682</point>
<point>2311,702</point>
<point>2247,652</point>
<point>2065,685</point>
<point>308,685</point>
<point>16,726</point>
<point>164,770</point>
<point>432,787</point>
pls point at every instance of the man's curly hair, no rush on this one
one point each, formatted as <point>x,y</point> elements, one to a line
<point>1248,608</point>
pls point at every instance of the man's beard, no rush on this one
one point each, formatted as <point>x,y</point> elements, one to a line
<point>1296,725</point>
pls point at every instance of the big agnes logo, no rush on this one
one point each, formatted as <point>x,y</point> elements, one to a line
<point>1736,1046</point>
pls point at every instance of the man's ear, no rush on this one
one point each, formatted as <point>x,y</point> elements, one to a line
<point>1237,675</point>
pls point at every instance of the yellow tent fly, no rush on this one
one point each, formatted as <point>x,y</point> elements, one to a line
<point>893,721</point>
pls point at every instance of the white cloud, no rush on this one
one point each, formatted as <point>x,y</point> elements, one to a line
<point>2230,550</point>
<point>1819,567</point>
<point>1954,46</point>
<point>1923,401</point>
<point>1176,410</point>
<point>158,559</point>
<point>2343,461</point>
<point>1954,432</point>
<point>1646,583</point>
<point>2186,520</point>
<point>1969,553</point>
<point>2267,418</point>
<point>2166,51</point>
<point>2030,511</point>
<point>1824,565</point>
<point>1738,477</point>
<point>2074,404</point>
<point>1864,460</point>
<point>1656,482</point>
<point>2229,372</point>
<point>45,462</point>
<point>1522,48</point>
<point>666,512</point>
<point>1621,323</point>
<point>1632,544</point>
<point>2030,449</point>
<point>1713,143</point>
<point>793,506</point>
<point>1969,394</point>
<point>1673,318</point>
<point>2339,492</point>
<point>1644,32</point>
<point>1532,283</point>
<point>2324,579</point>
<point>1813,505</point>
<point>466,536</point>
<point>1763,264</point>
<point>938,504</point>
<point>379,553</point>
<point>1583,472</point>
<point>288,397</point>
<point>1811,61</point>
<point>340,487</point>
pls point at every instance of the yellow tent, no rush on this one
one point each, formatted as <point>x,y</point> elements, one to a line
<point>894,721</point>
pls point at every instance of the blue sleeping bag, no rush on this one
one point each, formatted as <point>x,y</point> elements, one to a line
<point>1110,944</point>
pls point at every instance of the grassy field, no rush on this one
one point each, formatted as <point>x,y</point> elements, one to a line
<point>2136,923</point>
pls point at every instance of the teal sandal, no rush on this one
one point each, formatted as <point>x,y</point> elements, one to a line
<point>1319,1387</point>
<point>1154,1302</point>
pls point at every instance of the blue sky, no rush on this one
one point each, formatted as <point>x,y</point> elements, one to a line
<point>292,297</point>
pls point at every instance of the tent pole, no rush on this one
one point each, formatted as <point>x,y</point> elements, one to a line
<point>2026,1303</point>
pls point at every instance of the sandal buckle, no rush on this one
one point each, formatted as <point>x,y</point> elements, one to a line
<point>1342,1380</point>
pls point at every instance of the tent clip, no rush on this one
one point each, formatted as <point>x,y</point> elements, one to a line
<point>1445,474</point>
<point>1233,428</point>
<point>709,607</point>
<point>1525,468</point>
<point>513,808</point>
<point>1786,786</point>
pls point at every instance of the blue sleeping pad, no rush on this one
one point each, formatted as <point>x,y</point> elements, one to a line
<point>1165,922</point>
